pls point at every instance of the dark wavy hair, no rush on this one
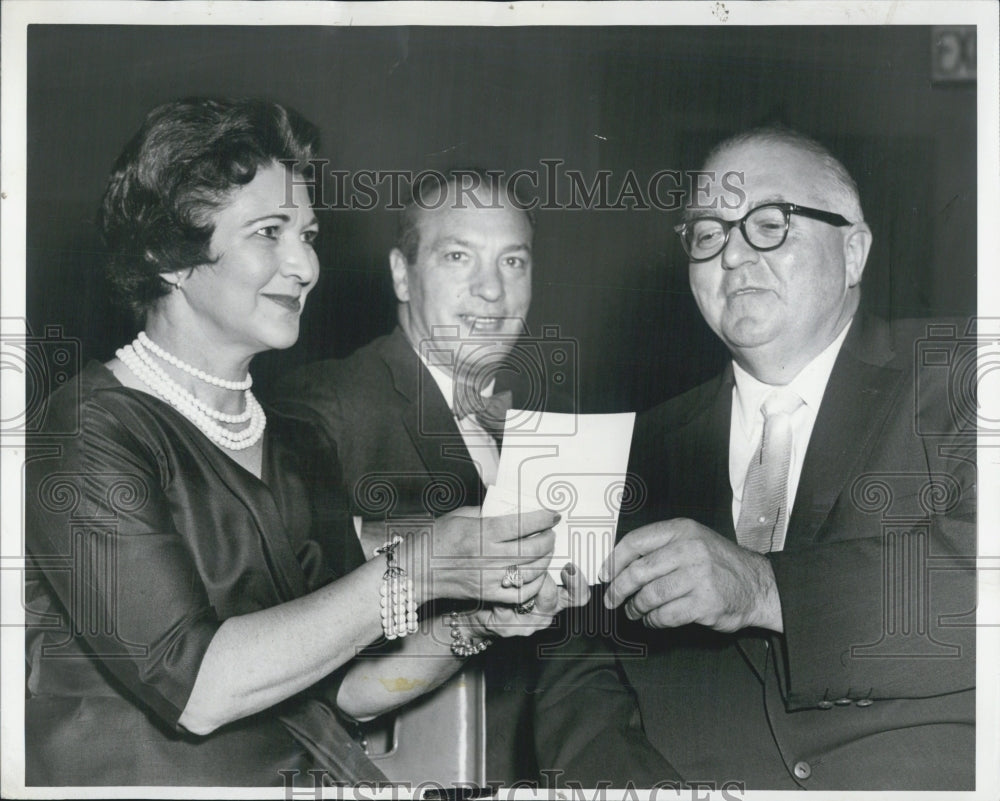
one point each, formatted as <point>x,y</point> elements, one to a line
<point>185,160</point>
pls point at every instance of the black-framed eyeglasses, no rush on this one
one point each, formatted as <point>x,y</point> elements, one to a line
<point>764,228</point>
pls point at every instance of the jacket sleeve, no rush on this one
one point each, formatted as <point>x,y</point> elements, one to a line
<point>883,605</point>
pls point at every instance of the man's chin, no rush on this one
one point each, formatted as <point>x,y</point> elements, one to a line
<point>748,332</point>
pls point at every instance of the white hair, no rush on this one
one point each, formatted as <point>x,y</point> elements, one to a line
<point>841,190</point>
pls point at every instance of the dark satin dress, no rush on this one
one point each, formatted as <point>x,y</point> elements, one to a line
<point>143,538</point>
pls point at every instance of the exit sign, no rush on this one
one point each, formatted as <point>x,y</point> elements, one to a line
<point>953,53</point>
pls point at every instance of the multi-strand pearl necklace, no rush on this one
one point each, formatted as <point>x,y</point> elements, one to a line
<point>136,357</point>
<point>201,375</point>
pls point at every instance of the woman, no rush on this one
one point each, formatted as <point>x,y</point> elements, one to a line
<point>187,627</point>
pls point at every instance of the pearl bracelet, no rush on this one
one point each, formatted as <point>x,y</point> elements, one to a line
<point>399,610</point>
<point>462,646</point>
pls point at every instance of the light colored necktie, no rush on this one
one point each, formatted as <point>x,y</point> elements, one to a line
<point>764,511</point>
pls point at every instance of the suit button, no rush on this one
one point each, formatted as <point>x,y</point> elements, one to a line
<point>864,702</point>
<point>802,770</point>
<point>843,702</point>
<point>825,704</point>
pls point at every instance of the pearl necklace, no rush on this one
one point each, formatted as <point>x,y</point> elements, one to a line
<point>190,369</point>
<point>192,408</point>
<point>215,414</point>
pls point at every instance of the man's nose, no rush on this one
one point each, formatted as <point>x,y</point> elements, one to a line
<point>488,281</point>
<point>737,251</point>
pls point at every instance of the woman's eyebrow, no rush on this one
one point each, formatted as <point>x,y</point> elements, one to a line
<point>274,216</point>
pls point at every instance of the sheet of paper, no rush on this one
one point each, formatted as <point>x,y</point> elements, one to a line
<point>573,464</point>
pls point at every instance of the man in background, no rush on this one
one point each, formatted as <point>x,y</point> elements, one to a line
<point>416,414</point>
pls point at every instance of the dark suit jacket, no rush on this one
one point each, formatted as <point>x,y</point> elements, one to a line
<point>871,685</point>
<point>402,457</point>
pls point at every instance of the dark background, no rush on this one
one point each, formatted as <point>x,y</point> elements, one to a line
<point>618,98</point>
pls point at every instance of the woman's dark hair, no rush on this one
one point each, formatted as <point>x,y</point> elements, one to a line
<point>188,156</point>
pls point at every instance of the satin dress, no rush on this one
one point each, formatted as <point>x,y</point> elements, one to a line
<point>143,537</point>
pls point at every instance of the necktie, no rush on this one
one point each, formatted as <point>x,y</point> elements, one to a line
<point>490,413</point>
<point>764,511</point>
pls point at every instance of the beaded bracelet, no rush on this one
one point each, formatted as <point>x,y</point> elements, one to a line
<point>462,646</point>
<point>399,610</point>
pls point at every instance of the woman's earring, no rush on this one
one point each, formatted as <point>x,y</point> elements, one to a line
<point>176,278</point>
<point>180,279</point>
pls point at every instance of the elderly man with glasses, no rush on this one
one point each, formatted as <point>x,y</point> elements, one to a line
<point>797,611</point>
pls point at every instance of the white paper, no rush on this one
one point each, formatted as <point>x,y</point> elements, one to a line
<point>573,464</point>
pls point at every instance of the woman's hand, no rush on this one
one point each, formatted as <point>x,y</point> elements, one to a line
<point>465,556</point>
<point>550,600</point>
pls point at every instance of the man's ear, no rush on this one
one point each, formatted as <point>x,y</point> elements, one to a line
<point>400,277</point>
<point>857,243</point>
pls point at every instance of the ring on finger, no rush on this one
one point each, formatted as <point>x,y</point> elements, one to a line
<point>512,577</point>
<point>526,608</point>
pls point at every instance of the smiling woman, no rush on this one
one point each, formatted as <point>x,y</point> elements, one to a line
<point>208,252</point>
<point>206,630</point>
<point>264,266</point>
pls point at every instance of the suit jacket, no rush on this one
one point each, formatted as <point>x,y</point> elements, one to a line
<point>401,451</point>
<point>403,457</point>
<point>871,684</point>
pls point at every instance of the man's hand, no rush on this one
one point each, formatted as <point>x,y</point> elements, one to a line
<point>678,571</point>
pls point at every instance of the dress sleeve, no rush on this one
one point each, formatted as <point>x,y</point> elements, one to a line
<point>99,527</point>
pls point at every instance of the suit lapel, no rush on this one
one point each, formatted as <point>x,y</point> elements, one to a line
<point>722,493</point>
<point>426,417</point>
<point>717,421</point>
<point>704,492</point>
<point>680,460</point>
<point>858,396</point>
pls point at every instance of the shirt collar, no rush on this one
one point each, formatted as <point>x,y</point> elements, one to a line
<point>809,384</point>
<point>446,382</point>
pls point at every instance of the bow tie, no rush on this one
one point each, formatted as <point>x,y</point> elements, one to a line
<point>489,412</point>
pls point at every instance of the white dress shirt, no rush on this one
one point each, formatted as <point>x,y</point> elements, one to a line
<point>478,441</point>
<point>747,420</point>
